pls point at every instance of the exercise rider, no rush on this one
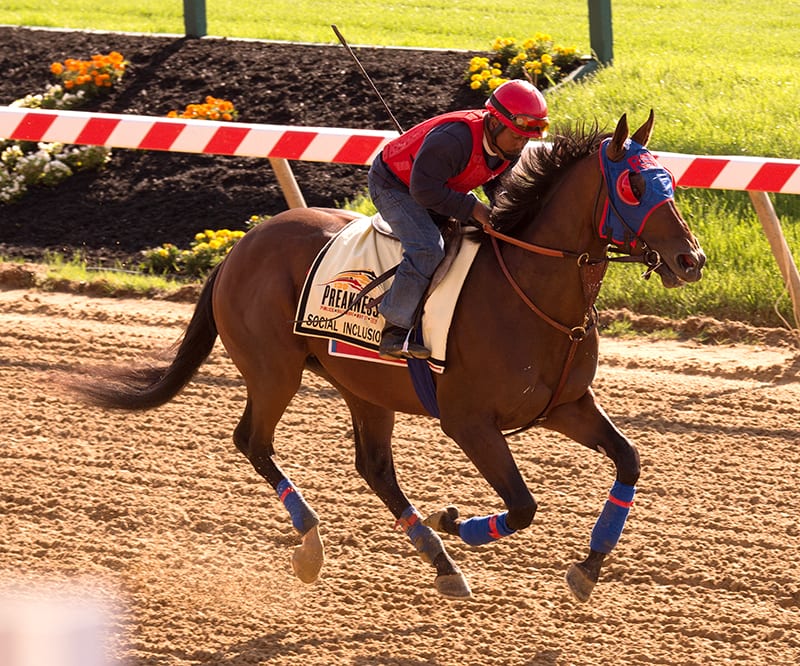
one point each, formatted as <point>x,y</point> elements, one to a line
<point>428,173</point>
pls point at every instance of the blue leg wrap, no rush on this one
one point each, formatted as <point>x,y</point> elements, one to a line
<point>302,515</point>
<point>478,531</point>
<point>608,527</point>
<point>425,540</point>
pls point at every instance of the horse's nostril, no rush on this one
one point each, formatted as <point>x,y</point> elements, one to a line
<point>691,263</point>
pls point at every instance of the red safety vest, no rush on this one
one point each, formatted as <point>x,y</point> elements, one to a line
<point>399,153</point>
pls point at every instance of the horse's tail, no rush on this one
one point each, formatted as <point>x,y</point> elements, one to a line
<point>145,387</point>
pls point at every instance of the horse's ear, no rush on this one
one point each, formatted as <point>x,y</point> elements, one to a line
<point>642,135</point>
<point>616,148</point>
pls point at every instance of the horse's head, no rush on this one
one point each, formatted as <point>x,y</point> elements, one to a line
<point>639,216</point>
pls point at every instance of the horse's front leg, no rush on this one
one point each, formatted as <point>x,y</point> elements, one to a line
<point>585,422</point>
<point>488,450</point>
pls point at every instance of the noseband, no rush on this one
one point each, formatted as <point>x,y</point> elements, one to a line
<point>622,222</point>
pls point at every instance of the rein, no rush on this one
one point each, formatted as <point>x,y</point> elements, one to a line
<point>592,272</point>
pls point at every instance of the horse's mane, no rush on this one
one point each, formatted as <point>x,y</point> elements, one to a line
<point>524,189</point>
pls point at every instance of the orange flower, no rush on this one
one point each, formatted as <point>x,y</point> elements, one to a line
<point>57,68</point>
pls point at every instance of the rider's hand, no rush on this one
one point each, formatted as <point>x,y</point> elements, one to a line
<point>480,213</point>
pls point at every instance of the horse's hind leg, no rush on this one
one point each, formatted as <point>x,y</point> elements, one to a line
<point>256,443</point>
<point>586,423</point>
<point>372,427</point>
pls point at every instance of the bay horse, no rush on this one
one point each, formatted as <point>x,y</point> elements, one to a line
<point>522,349</point>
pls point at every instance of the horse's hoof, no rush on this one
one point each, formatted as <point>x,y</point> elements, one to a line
<point>308,557</point>
<point>443,520</point>
<point>580,582</point>
<point>453,586</point>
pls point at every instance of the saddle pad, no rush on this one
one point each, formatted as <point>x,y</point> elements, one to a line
<point>349,261</point>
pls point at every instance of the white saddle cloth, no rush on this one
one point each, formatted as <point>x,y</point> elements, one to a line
<point>352,259</point>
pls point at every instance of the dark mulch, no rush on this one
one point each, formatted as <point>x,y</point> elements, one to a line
<point>144,199</point>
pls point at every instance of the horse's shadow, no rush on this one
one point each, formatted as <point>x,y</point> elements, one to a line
<point>274,646</point>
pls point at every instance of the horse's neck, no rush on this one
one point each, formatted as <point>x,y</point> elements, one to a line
<point>566,219</point>
<point>566,222</point>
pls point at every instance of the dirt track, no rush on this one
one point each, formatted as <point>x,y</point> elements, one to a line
<point>159,513</point>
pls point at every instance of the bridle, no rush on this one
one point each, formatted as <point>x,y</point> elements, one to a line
<point>592,271</point>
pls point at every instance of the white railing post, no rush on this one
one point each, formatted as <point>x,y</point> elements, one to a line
<point>780,248</point>
<point>291,190</point>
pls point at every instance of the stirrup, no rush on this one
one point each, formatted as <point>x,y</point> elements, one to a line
<point>396,343</point>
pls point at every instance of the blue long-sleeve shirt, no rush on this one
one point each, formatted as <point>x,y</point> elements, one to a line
<point>444,154</point>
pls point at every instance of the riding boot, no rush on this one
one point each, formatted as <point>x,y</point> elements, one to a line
<point>395,343</point>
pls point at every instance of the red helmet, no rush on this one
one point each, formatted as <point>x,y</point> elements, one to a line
<point>521,107</point>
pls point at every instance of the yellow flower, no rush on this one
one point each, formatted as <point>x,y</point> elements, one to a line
<point>501,42</point>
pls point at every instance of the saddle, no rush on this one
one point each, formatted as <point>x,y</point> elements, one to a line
<point>352,273</point>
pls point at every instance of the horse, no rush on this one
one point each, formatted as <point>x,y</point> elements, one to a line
<point>522,350</point>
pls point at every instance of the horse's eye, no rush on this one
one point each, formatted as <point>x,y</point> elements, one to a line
<point>637,185</point>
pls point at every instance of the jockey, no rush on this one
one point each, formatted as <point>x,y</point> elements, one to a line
<point>428,173</point>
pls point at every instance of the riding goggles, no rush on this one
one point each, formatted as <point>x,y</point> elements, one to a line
<point>538,126</point>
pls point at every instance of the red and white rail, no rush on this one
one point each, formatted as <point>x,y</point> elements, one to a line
<point>317,144</point>
<point>754,174</point>
<point>325,144</point>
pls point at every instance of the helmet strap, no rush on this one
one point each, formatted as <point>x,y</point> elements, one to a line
<point>494,133</point>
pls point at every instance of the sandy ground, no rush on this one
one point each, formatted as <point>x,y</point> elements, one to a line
<point>159,520</point>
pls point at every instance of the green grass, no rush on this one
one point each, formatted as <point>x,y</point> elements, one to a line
<point>741,280</point>
<point>723,78</point>
<point>106,282</point>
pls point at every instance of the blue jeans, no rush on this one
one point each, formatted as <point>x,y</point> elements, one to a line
<point>423,246</point>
